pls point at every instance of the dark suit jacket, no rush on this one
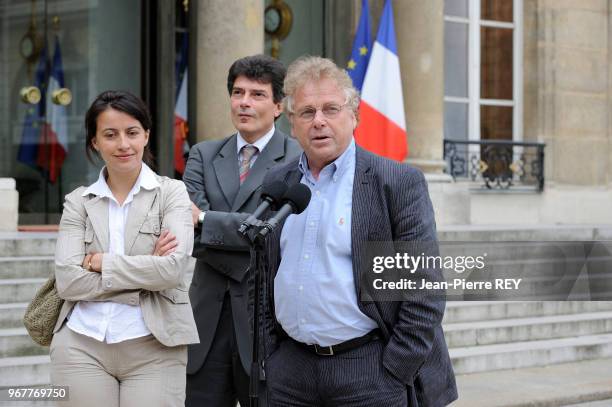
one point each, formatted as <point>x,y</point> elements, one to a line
<point>390,203</point>
<point>212,180</point>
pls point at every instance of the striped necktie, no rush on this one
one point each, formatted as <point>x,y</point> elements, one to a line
<point>246,155</point>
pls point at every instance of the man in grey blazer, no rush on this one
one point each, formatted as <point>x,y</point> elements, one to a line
<point>224,180</point>
<point>326,344</point>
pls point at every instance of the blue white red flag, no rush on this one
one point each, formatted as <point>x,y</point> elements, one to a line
<point>382,126</point>
<point>53,145</point>
<point>180,109</point>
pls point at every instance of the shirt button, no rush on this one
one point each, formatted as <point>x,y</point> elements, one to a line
<point>306,256</point>
<point>109,284</point>
<point>301,287</point>
<point>318,193</point>
<point>303,321</point>
<point>312,223</point>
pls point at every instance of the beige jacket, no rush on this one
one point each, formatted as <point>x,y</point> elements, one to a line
<point>138,277</point>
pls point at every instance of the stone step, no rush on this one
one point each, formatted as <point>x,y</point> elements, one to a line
<point>586,382</point>
<point>527,329</point>
<point>523,233</point>
<point>19,289</point>
<point>600,403</point>
<point>16,342</point>
<point>532,353</point>
<point>24,370</point>
<point>465,311</point>
<point>26,267</point>
<point>14,244</point>
<point>11,315</point>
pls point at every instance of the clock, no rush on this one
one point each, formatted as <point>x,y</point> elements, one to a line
<point>278,19</point>
<point>30,46</point>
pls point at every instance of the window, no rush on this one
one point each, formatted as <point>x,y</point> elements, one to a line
<point>483,69</point>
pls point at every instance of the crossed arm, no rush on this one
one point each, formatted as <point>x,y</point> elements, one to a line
<point>80,276</point>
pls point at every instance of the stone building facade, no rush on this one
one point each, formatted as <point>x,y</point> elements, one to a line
<point>472,70</point>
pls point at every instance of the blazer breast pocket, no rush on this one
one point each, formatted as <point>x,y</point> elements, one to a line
<point>148,234</point>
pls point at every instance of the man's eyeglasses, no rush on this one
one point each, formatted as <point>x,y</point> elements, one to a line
<point>329,111</point>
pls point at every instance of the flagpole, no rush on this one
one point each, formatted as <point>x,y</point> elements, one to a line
<point>56,28</point>
<point>44,120</point>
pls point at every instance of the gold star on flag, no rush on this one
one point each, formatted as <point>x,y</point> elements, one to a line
<point>352,64</point>
<point>363,50</point>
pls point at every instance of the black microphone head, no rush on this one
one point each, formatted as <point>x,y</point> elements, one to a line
<point>274,191</point>
<point>298,196</point>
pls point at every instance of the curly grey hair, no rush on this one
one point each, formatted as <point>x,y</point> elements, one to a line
<point>313,68</point>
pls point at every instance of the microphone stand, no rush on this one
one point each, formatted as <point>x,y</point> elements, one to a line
<point>256,248</point>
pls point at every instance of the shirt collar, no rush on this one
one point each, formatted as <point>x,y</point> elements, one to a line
<point>146,179</point>
<point>338,166</point>
<point>260,143</point>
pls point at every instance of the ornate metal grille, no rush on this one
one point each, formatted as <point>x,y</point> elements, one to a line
<point>496,164</point>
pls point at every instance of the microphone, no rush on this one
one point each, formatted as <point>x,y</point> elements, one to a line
<point>295,201</point>
<point>271,194</point>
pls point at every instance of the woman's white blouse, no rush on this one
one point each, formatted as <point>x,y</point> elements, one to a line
<point>110,321</point>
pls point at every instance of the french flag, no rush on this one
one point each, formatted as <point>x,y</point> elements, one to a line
<point>180,108</point>
<point>180,126</point>
<point>382,125</point>
<point>54,136</point>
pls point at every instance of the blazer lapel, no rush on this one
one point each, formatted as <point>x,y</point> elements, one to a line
<point>274,150</point>
<point>226,170</point>
<point>363,188</point>
<point>97,211</point>
<point>137,215</point>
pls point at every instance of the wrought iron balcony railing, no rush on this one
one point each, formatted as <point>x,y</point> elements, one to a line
<point>496,164</point>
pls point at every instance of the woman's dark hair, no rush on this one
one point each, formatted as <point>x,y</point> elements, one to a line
<point>122,101</point>
<point>260,68</point>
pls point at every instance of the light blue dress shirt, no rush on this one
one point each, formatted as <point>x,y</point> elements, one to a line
<point>314,290</point>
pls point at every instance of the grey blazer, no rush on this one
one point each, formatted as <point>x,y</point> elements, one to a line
<point>138,277</point>
<point>212,180</point>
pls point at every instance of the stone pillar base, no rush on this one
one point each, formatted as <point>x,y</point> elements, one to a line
<point>450,199</point>
<point>9,205</point>
<point>427,166</point>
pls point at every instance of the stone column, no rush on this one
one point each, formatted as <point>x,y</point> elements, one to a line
<point>9,205</point>
<point>419,27</point>
<point>227,30</point>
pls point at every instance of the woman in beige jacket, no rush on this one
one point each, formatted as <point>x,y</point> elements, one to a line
<point>123,248</point>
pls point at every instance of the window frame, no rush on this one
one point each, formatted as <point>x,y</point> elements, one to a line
<point>474,100</point>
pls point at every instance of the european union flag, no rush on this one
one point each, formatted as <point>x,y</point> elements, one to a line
<point>362,47</point>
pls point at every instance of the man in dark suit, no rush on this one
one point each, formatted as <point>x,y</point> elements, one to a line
<point>327,346</point>
<point>224,179</point>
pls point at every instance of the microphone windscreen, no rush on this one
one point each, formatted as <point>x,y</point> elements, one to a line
<point>299,196</point>
<point>274,191</point>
